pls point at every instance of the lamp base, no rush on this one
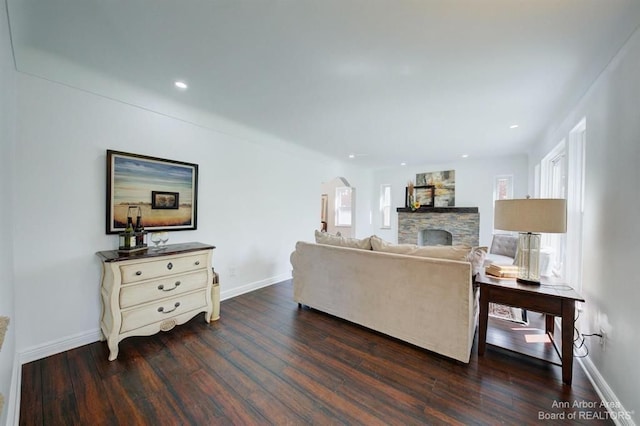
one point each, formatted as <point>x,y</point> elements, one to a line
<point>527,282</point>
<point>528,258</point>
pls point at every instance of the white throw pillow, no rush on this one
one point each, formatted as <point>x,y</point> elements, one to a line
<point>334,240</point>
<point>477,256</point>
<point>459,252</point>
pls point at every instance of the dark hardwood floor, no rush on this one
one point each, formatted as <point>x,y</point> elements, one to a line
<point>267,362</point>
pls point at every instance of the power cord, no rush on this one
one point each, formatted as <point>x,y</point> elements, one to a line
<point>581,337</point>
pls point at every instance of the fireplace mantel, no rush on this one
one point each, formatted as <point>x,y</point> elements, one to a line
<point>438,210</point>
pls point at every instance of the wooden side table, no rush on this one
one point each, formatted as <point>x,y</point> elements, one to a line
<point>552,298</point>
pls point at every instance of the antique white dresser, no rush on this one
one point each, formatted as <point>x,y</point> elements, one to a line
<point>154,290</point>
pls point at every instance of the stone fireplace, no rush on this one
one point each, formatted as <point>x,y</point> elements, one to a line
<point>439,226</point>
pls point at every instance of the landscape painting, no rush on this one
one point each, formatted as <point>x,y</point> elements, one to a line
<point>445,186</point>
<point>165,190</point>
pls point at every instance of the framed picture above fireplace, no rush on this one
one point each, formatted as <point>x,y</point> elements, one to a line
<point>425,195</point>
<point>445,183</point>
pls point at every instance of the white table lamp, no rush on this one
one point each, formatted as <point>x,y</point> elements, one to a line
<point>530,217</point>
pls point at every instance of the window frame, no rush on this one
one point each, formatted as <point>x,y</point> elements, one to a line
<point>385,206</point>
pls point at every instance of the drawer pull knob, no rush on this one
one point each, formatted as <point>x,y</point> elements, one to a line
<point>161,286</point>
<point>197,262</point>
<point>138,273</point>
<point>169,265</point>
<point>175,306</point>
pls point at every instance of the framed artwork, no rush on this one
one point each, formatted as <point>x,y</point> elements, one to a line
<point>165,200</point>
<point>425,195</point>
<point>165,190</point>
<point>445,186</point>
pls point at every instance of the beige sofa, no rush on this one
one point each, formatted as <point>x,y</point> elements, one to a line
<point>425,301</point>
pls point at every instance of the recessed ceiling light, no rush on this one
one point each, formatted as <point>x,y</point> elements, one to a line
<point>403,164</point>
<point>465,155</point>
<point>514,126</point>
<point>180,84</point>
<point>352,156</point>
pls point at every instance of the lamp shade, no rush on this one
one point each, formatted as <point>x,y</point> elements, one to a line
<point>547,215</point>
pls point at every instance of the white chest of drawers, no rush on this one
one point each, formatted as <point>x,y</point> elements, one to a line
<point>146,292</point>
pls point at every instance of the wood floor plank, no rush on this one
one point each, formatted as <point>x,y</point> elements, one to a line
<point>89,389</point>
<point>233,408</point>
<point>308,376</point>
<point>403,412</point>
<point>127,410</point>
<point>358,388</point>
<point>282,366</point>
<point>254,394</point>
<point>31,403</point>
<point>265,361</point>
<point>58,397</point>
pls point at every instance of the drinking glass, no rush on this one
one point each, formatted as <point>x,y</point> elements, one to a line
<point>156,239</point>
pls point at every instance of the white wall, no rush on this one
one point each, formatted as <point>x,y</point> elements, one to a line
<point>611,231</point>
<point>474,188</point>
<point>255,201</point>
<point>7,119</point>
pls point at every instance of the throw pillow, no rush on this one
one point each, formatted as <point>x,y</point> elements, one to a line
<point>335,240</point>
<point>476,256</point>
<point>459,252</point>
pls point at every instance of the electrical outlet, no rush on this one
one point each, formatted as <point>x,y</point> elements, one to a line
<point>232,271</point>
<point>604,328</point>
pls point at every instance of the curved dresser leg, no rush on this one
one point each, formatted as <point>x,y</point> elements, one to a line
<point>113,350</point>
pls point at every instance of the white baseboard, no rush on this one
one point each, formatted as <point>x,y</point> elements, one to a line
<point>617,413</point>
<point>247,288</point>
<point>55,347</point>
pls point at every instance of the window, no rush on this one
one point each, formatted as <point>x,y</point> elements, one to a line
<point>343,206</point>
<point>575,203</point>
<point>503,188</point>
<point>554,185</point>
<point>385,206</point>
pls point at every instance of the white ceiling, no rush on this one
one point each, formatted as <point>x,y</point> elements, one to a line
<point>420,81</point>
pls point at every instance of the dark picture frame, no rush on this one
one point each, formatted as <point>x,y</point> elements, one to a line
<point>132,180</point>
<point>425,195</point>
<point>165,200</point>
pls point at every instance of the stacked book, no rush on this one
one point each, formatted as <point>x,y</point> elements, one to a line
<point>502,271</point>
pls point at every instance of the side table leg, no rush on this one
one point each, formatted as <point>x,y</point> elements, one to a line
<point>568,315</point>
<point>549,324</point>
<point>484,318</point>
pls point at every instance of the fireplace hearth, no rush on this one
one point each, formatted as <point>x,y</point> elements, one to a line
<point>435,237</point>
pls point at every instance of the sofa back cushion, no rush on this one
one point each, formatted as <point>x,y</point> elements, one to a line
<point>459,252</point>
<point>336,240</point>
